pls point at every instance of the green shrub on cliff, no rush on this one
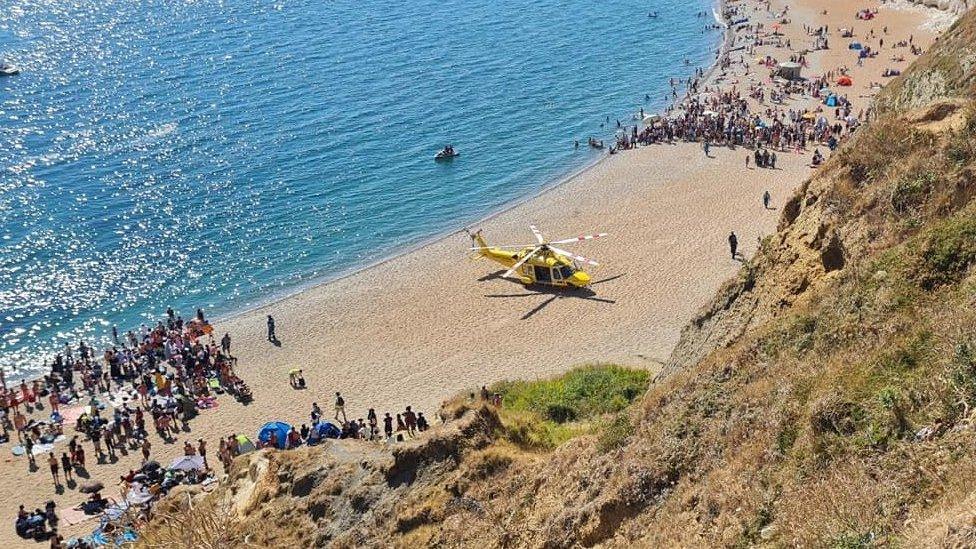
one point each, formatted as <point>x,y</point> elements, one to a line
<point>543,414</point>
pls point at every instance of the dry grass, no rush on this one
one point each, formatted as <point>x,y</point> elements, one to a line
<point>185,524</point>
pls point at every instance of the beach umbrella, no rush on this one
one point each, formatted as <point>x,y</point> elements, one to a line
<point>91,486</point>
<point>844,81</point>
<point>327,429</point>
<point>187,463</point>
<point>280,429</point>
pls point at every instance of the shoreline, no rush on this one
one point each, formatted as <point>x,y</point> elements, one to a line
<point>410,248</point>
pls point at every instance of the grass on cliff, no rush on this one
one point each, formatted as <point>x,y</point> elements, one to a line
<point>542,414</point>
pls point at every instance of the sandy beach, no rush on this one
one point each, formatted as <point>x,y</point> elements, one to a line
<point>419,328</point>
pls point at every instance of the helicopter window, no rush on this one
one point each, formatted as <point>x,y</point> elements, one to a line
<point>556,274</point>
<point>542,274</point>
<point>565,271</point>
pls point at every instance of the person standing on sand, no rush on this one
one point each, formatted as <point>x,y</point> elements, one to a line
<point>29,448</point>
<point>53,463</point>
<point>410,419</point>
<point>766,199</point>
<point>202,450</point>
<point>19,423</point>
<point>146,447</point>
<point>225,343</point>
<point>66,466</point>
<point>340,407</point>
<point>733,243</point>
<point>271,329</point>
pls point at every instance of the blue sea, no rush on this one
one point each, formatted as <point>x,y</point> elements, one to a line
<point>221,153</point>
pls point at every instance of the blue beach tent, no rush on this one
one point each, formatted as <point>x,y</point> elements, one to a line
<point>832,101</point>
<point>280,429</point>
<point>328,430</point>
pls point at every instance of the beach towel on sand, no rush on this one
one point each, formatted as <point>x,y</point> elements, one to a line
<point>74,515</point>
<point>77,515</point>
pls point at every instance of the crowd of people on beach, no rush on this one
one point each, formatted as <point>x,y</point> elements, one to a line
<point>166,374</point>
<point>755,115</point>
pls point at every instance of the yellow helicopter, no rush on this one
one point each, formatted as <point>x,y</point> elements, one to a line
<point>539,263</point>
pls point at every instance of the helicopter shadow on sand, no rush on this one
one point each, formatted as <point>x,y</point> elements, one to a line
<point>554,293</point>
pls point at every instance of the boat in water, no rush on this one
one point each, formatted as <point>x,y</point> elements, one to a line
<point>447,153</point>
<point>7,69</point>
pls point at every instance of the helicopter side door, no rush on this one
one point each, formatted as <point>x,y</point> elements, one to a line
<point>543,275</point>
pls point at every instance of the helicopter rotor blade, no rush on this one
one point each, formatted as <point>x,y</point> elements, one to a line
<point>519,263</point>
<point>574,256</point>
<point>579,238</point>
<point>538,235</point>
<point>504,246</point>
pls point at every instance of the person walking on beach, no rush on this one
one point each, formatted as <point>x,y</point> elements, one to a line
<point>766,198</point>
<point>225,344</point>
<point>733,243</point>
<point>271,329</point>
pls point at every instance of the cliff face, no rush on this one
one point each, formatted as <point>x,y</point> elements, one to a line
<point>841,211</point>
<point>954,6</point>
<point>825,397</point>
